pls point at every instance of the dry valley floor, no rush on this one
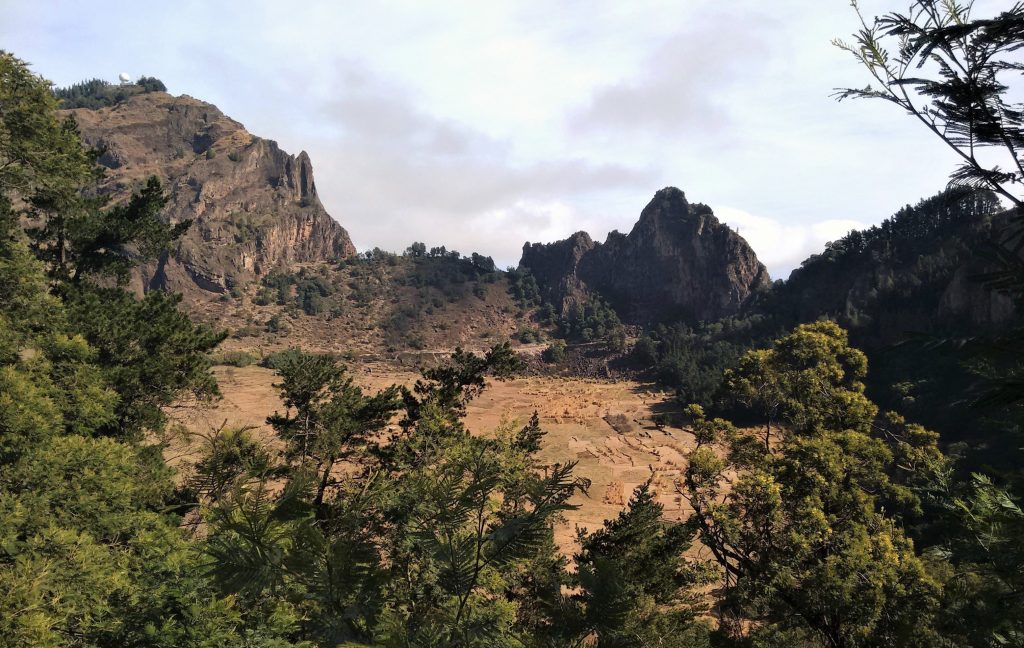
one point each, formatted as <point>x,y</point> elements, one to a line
<point>606,426</point>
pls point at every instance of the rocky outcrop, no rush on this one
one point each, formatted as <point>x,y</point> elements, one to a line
<point>678,261</point>
<point>555,265</point>
<point>254,206</point>
<point>969,298</point>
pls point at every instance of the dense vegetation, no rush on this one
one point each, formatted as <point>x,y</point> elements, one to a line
<point>890,278</point>
<point>691,360</point>
<point>383,521</point>
<point>587,322</point>
<point>886,285</point>
<point>302,290</point>
<point>592,321</point>
<point>91,554</point>
<point>97,93</point>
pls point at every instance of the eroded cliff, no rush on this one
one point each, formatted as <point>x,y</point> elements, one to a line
<point>678,261</point>
<point>254,206</point>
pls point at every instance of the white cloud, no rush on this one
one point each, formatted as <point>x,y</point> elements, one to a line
<point>526,220</point>
<point>397,174</point>
<point>681,85</point>
<point>481,125</point>
<point>782,246</point>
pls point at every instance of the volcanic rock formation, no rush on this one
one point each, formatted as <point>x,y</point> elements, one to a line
<point>254,206</point>
<point>678,261</point>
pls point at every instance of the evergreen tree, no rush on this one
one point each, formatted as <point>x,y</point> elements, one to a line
<point>635,582</point>
<point>333,420</point>
<point>949,69</point>
<point>426,541</point>
<point>150,352</point>
<point>808,531</point>
<point>89,554</point>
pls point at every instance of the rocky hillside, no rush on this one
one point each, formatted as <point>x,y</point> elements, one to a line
<point>913,277</point>
<point>254,206</point>
<point>379,306</point>
<point>678,261</point>
<point>913,272</point>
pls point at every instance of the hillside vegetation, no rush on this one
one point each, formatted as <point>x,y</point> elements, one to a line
<point>897,288</point>
<point>791,498</point>
<point>97,93</point>
<point>376,304</point>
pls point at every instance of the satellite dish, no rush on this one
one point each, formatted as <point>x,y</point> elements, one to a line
<point>124,77</point>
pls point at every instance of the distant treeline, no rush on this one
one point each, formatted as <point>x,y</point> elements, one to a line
<point>888,285</point>
<point>97,93</point>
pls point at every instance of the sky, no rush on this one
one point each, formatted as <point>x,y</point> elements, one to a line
<point>483,125</point>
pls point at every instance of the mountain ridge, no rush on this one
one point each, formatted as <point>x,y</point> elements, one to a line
<point>254,206</point>
<point>678,260</point>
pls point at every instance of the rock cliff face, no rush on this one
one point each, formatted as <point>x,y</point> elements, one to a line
<point>916,271</point>
<point>678,261</point>
<point>253,205</point>
<point>968,298</point>
<point>556,268</point>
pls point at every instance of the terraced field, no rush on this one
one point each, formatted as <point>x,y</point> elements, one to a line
<point>605,426</point>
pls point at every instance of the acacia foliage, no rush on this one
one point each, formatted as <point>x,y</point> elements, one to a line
<point>805,518</point>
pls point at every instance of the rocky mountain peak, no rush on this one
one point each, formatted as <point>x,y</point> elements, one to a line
<point>670,212</point>
<point>254,206</point>
<point>667,199</point>
<point>561,256</point>
<point>301,176</point>
<point>677,261</point>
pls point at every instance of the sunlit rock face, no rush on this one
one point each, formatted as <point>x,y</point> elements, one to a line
<point>253,206</point>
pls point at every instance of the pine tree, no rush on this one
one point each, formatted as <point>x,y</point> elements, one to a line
<point>635,581</point>
<point>89,554</point>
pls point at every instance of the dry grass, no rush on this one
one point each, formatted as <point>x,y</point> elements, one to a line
<point>606,427</point>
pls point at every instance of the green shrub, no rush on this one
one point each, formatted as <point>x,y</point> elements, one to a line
<point>276,325</point>
<point>645,351</point>
<point>264,297</point>
<point>279,359</point>
<point>555,353</point>
<point>524,289</point>
<point>593,321</point>
<point>528,336</point>
<point>234,358</point>
<point>309,291</point>
<point>246,331</point>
